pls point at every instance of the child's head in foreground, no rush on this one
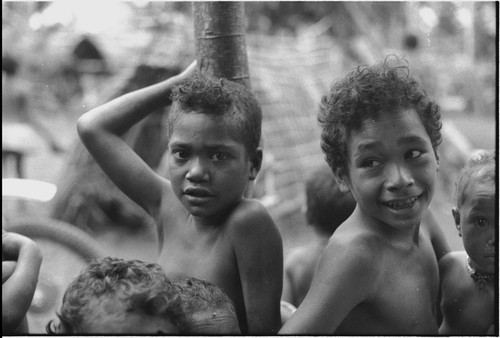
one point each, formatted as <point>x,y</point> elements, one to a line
<point>214,129</point>
<point>474,212</point>
<point>380,133</point>
<point>208,309</point>
<point>114,296</point>
<point>326,206</point>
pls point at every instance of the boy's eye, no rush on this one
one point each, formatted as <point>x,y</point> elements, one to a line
<point>371,163</point>
<point>481,222</point>
<point>220,156</point>
<point>180,154</point>
<point>413,154</point>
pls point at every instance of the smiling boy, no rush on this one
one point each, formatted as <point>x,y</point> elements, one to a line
<point>210,231</point>
<point>378,274</point>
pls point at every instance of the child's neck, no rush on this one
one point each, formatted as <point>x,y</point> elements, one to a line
<point>207,222</point>
<point>397,236</point>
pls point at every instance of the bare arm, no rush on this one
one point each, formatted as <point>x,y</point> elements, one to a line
<point>101,129</point>
<point>18,288</point>
<point>259,252</point>
<point>337,287</point>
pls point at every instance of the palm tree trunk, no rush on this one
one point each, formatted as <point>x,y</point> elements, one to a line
<point>220,40</point>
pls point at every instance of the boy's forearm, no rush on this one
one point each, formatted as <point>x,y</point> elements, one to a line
<point>120,114</point>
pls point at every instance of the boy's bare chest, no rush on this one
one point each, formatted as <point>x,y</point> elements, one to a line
<point>403,302</point>
<point>211,260</point>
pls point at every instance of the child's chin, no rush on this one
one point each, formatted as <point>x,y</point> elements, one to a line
<point>404,220</point>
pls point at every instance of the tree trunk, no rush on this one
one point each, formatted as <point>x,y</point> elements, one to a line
<point>219,30</point>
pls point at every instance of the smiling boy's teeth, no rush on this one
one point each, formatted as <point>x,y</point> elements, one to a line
<point>402,203</point>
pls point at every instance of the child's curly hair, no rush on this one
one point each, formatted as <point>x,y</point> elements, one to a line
<point>207,95</point>
<point>480,168</point>
<point>200,295</point>
<point>363,94</point>
<point>138,286</point>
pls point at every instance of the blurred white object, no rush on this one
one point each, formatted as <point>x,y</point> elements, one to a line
<point>286,310</point>
<point>28,189</point>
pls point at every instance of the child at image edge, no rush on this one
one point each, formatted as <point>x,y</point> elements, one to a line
<point>468,277</point>
<point>210,231</point>
<point>378,274</point>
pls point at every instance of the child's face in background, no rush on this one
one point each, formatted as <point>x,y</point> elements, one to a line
<point>209,167</point>
<point>477,224</point>
<point>391,168</point>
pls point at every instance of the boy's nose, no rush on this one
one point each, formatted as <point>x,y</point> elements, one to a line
<point>492,241</point>
<point>398,177</point>
<point>197,172</point>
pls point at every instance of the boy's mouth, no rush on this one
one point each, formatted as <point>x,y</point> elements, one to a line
<point>197,192</point>
<point>402,203</point>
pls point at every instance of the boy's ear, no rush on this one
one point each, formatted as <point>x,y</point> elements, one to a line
<point>456,217</point>
<point>342,180</point>
<point>255,164</point>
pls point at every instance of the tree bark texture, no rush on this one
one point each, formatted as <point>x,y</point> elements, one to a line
<point>220,40</point>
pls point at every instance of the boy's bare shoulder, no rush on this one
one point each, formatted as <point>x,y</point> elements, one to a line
<point>356,239</point>
<point>249,218</point>
<point>357,250</point>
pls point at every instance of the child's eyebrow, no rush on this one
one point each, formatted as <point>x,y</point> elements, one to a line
<point>210,147</point>
<point>366,146</point>
<point>411,139</point>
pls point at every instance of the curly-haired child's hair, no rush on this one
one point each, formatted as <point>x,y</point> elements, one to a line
<point>136,285</point>
<point>200,295</point>
<point>479,168</point>
<point>327,206</point>
<point>219,97</point>
<point>364,93</point>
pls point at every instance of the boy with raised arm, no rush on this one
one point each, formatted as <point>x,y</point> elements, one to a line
<point>468,277</point>
<point>378,275</point>
<point>210,231</point>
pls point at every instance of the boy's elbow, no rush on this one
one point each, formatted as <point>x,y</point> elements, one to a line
<point>85,127</point>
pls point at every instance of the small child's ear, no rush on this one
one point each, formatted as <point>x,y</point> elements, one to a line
<point>255,164</point>
<point>341,177</point>
<point>456,216</point>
